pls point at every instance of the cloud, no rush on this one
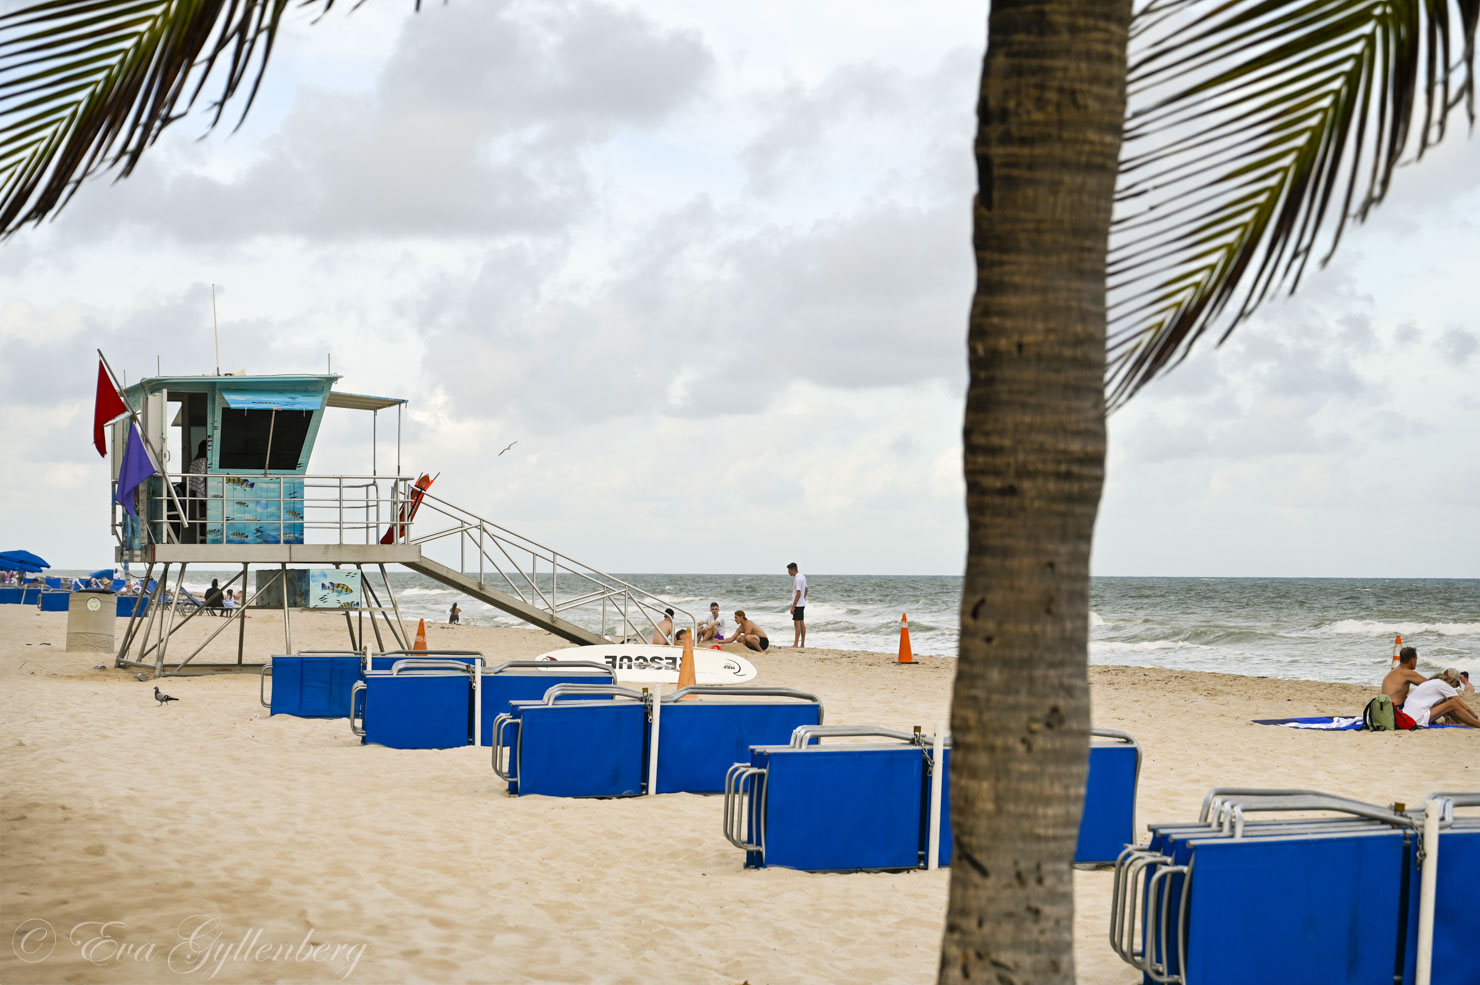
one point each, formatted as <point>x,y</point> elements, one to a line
<point>1457,345</point>
<point>807,129</point>
<point>699,318</point>
<point>477,126</point>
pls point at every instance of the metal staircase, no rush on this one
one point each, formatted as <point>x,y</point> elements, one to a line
<point>500,600</point>
<point>533,582</point>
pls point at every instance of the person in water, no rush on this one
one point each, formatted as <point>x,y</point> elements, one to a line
<point>747,632</point>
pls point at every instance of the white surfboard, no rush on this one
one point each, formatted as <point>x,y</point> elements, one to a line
<point>639,663</point>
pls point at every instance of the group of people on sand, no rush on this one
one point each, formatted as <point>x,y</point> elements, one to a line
<point>713,629</point>
<point>1420,701</point>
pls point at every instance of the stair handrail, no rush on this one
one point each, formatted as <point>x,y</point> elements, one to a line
<point>612,585</point>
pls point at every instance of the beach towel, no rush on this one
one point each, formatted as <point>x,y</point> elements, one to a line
<point>1322,723</point>
<point>1325,723</point>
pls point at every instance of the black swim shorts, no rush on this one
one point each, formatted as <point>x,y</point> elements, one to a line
<point>765,643</point>
<point>796,614</point>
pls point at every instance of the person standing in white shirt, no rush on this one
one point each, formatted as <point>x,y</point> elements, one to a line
<point>798,605</point>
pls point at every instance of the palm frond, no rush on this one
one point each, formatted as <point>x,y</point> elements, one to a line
<point>1257,129</point>
<point>90,84</point>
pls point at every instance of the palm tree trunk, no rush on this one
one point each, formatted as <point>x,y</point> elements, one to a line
<point>1048,142</point>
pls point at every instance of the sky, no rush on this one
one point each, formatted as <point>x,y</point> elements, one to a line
<point>711,269</point>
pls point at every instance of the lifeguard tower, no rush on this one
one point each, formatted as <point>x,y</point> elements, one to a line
<point>255,504</point>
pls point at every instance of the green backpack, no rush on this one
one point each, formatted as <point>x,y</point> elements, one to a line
<point>1378,715</point>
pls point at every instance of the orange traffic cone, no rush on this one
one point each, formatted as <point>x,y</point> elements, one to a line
<point>906,655</point>
<point>421,636</point>
<point>1397,646</point>
<point>686,669</point>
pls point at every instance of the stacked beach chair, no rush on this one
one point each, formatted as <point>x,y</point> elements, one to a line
<point>1359,894</point>
<point>884,803</point>
<point>604,740</point>
<point>411,699</point>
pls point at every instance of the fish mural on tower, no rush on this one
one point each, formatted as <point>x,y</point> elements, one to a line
<point>333,588</point>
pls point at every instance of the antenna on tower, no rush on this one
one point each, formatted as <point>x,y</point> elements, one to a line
<point>216,328</point>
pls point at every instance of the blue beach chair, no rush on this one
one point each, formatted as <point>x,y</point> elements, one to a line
<point>311,683</point>
<point>1108,822</point>
<point>1229,899</point>
<point>578,740</point>
<point>528,680</point>
<point>705,729</point>
<point>831,807</point>
<point>783,807</point>
<point>420,702</point>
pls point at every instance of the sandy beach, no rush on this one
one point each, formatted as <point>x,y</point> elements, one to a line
<point>305,856</point>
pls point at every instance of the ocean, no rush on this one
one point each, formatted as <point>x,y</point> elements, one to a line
<point>1334,629</point>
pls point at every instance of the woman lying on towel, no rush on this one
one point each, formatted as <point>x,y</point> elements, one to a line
<point>1437,702</point>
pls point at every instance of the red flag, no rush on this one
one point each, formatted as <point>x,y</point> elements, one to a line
<point>108,407</point>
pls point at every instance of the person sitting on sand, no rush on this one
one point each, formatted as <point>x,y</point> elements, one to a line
<point>1437,702</point>
<point>747,632</point>
<point>664,632</point>
<point>1395,685</point>
<point>213,595</point>
<point>1463,676</point>
<point>714,628</point>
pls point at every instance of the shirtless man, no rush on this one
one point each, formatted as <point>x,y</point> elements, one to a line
<point>714,629</point>
<point>1395,685</point>
<point>664,631</point>
<point>747,632</point>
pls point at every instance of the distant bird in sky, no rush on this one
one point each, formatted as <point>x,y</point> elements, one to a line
<point>507,447</point>
<point>162,698</point>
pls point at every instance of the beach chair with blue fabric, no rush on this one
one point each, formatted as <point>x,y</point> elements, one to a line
<point>834,807</point>
<point>311,683</point>
<point>875,806</point>
<point>580,739</point>
<point>426,701</point>
<point>577,740</point>
<point>705,729</point>
<point>1108,822</point>
<point>1317,900</point>
<point>528,680</point>
<point>54,600</point>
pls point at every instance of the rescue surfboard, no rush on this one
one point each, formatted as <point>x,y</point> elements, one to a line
<point>639,663</point>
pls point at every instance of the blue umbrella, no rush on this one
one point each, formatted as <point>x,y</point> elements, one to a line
<point>21,561</point>
<point>102,573</point>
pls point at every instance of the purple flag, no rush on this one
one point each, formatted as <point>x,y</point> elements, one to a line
<point>135,468</point>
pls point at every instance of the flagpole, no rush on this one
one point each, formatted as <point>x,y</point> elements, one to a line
<point>143,434</point>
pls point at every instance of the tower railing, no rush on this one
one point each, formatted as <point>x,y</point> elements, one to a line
<point>542,577</point>
<point>372,509</point>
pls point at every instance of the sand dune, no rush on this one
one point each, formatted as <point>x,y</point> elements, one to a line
<point>225,845</point>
